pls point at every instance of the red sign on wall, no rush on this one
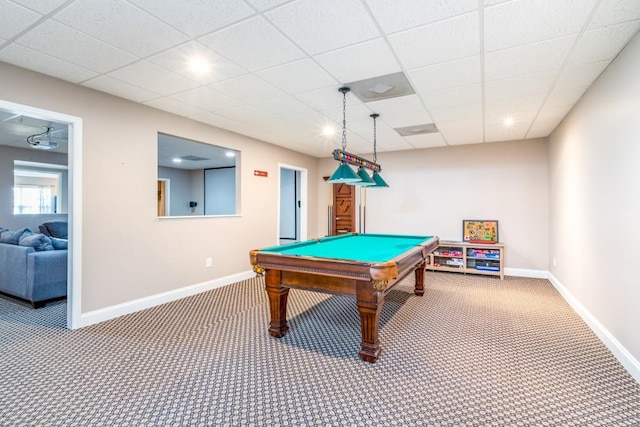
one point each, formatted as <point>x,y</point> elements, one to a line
<point>260,173</point>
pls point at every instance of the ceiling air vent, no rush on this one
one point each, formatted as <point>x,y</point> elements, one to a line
<point>383,87</point>
<point>194,158</point>
<point>417,129</point>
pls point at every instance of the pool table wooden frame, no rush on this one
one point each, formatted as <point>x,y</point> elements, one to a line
<point>369,282</point>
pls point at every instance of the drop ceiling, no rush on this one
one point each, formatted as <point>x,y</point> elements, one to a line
<point>276,66</point>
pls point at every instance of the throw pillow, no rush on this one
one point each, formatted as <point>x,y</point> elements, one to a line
<point>39,242</point>
<point>54,229</point>
<point>13,237</point>
<point>59,244</point>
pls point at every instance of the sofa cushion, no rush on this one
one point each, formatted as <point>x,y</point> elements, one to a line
<point>54,229</point>
<point>59,243</point>
<point>37,241</point>
<point>13,237</point>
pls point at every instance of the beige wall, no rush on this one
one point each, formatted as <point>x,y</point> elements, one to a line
<point>127,253</point>
<point>595,200</point>
<point>433,190</point>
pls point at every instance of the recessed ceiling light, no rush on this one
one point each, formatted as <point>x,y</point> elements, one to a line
<point>176,160</point>
<point>329,130</point>
<point>508,122</point>
<point>199,65</point>
<point>230,154</point>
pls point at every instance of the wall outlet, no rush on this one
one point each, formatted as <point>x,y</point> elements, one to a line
<point>208,262</point>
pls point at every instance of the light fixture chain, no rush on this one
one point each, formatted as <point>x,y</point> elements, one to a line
<point>375,156</point>
<point>344,120</point>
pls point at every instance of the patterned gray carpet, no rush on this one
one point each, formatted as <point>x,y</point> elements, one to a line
<point>474,351</point>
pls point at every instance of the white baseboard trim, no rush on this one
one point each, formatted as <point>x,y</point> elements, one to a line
<point>108,313</point>
<point>631,364</point>
<point>521,272</point>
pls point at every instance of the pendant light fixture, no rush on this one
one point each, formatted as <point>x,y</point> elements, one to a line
<point>379,182</point>
<point>344,174</point>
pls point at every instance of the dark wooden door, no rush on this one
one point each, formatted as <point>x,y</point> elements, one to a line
<point>344,198</point>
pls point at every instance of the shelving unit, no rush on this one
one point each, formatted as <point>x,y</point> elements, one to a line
<point>474,258</point>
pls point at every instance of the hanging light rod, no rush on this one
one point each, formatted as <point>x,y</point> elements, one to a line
<point>352,159</point>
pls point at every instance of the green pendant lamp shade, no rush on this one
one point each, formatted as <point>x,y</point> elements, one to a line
<point>344,174</point>
<point>379,182</point>
<point>366,179</point>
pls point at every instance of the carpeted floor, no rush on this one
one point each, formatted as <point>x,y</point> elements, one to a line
<point>474,351</point>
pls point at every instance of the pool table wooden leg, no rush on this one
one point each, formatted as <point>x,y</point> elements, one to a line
<point>419,275</point>
<point>278,296</point>
<point>369,306</point>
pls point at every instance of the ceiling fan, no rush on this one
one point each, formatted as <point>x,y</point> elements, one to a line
<point>44,140</point>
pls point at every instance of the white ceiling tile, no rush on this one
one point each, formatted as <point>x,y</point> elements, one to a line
<point>442,41</point>
<point>357,117</point>
<point>41,6</point>
<point>512,107</point>
<point>320,25</point>
<point>428,140</point>
<point>528,21</point>
<point>119,88</point>
<point>15,18</point>
<point>54,39</point>
<point>519,86</point>
<point>247,88</point>
<point>527,59</point>
<point>253,44</point>
<point>197,17</point>
<point>372,58</point>
<point>459,132</point>
<point>283,107</point>
<point>151,77</point>
<point>394,15</point>
<point>458,112</point>
<point>471,94</point>
<point>173,106</point>
<point>246,114</point>
<point>581,74</point>
<point>603,43</point>
<point>401,111</point>
<point>565,96</point>
<point>43,63</point>
<point>122,25</point>
<point>206,98</point>
<point>315,123</point>
<point>298,76</point>
<point>214,120</point>
<point>615,12</point>
<point>461,72</point>
<point>262,5</point>
<point>387,139</point>
<point>326,98</point>
<point>178,60</point>
<point>547,120</point>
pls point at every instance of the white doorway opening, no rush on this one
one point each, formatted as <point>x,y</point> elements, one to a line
<point>74,191</point>
<point>292,204</point>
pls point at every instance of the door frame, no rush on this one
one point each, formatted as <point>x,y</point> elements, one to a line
<point>303,200</point>
<point>74,188</point>
<point>167,195</point>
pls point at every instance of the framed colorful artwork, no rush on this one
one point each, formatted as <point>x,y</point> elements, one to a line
<point>479,231</point>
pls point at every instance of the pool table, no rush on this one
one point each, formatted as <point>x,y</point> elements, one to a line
<point>366,266</point>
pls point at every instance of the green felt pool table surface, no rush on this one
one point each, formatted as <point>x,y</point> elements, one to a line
<point>353,247</point>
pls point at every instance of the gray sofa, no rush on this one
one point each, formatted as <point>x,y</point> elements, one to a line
<point>31,268</point>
